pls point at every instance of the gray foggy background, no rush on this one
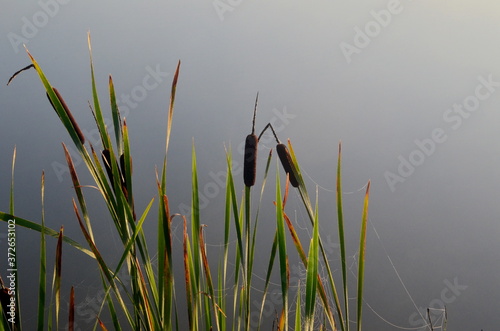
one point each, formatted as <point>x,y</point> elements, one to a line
<point>411,88</point>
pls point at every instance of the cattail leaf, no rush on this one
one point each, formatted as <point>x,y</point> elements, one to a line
<point>171,106</point>
<point>362,254</point>
<point>78,189</point>
<point>43,264</point>
<point>101,125</point>
<point>56,283</point>
<point>312,273</point>
<point>208,277</point>
<point>340,219</point>
<point>115,112</point>
<point>127,168</point>
<point>298,311</point>
<point>188,275</point>
<point>282,251</point>
<point>237,218</point>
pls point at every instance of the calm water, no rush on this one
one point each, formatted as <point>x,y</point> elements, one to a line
<point>411,88</point>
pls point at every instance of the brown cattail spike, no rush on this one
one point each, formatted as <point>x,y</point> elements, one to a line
<point>250,160</point>
<point>70,116</point>
<point>287,163</point>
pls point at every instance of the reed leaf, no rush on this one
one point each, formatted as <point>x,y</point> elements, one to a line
<point>209,282</point>
<point>43,264</point>
<point>283,258</point>
<point>171,106</point>
<point>312,272</point>
<point>188,276</point>
<point>48,231</point>
<point>78,190</point>
<point>115,112</point>
<point>56,283</point>
<point>362,254</point>
<point>101,125</point>
<point>340,219</point>
<point>298,311</point>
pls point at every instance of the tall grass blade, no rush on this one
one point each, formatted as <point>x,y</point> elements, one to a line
<point>298,311</point>
<point>43,261</point>
<point>195,217</point>
<point>106,142</point>
<point>362,251</point>
<point>208,277</point>
<point>340,218</point>
<point>312,272</point>
<point>48,231</point>
<point>188,276</point>
<point>126,168</point>
<point>237,218</point>
<point>115,112</point>
<point>283,258</point>
<point>171,106</point>
<point>56,283</point>
<point>78,190</point>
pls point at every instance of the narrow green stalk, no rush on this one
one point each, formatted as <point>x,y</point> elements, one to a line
<point>312,272</point>
<point>284,272</point>
<point>340,218</point>
<point>362,251</point>
<point>43,262</point>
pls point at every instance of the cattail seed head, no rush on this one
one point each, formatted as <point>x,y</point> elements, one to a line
<point>250,161</point>
<point>287,163</point>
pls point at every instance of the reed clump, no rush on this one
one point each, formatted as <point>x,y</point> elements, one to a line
<point>215,299</point>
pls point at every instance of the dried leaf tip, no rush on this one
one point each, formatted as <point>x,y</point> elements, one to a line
<point>19,71</point>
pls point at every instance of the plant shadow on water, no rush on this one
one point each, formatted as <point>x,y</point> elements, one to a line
<point>142,290</point>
